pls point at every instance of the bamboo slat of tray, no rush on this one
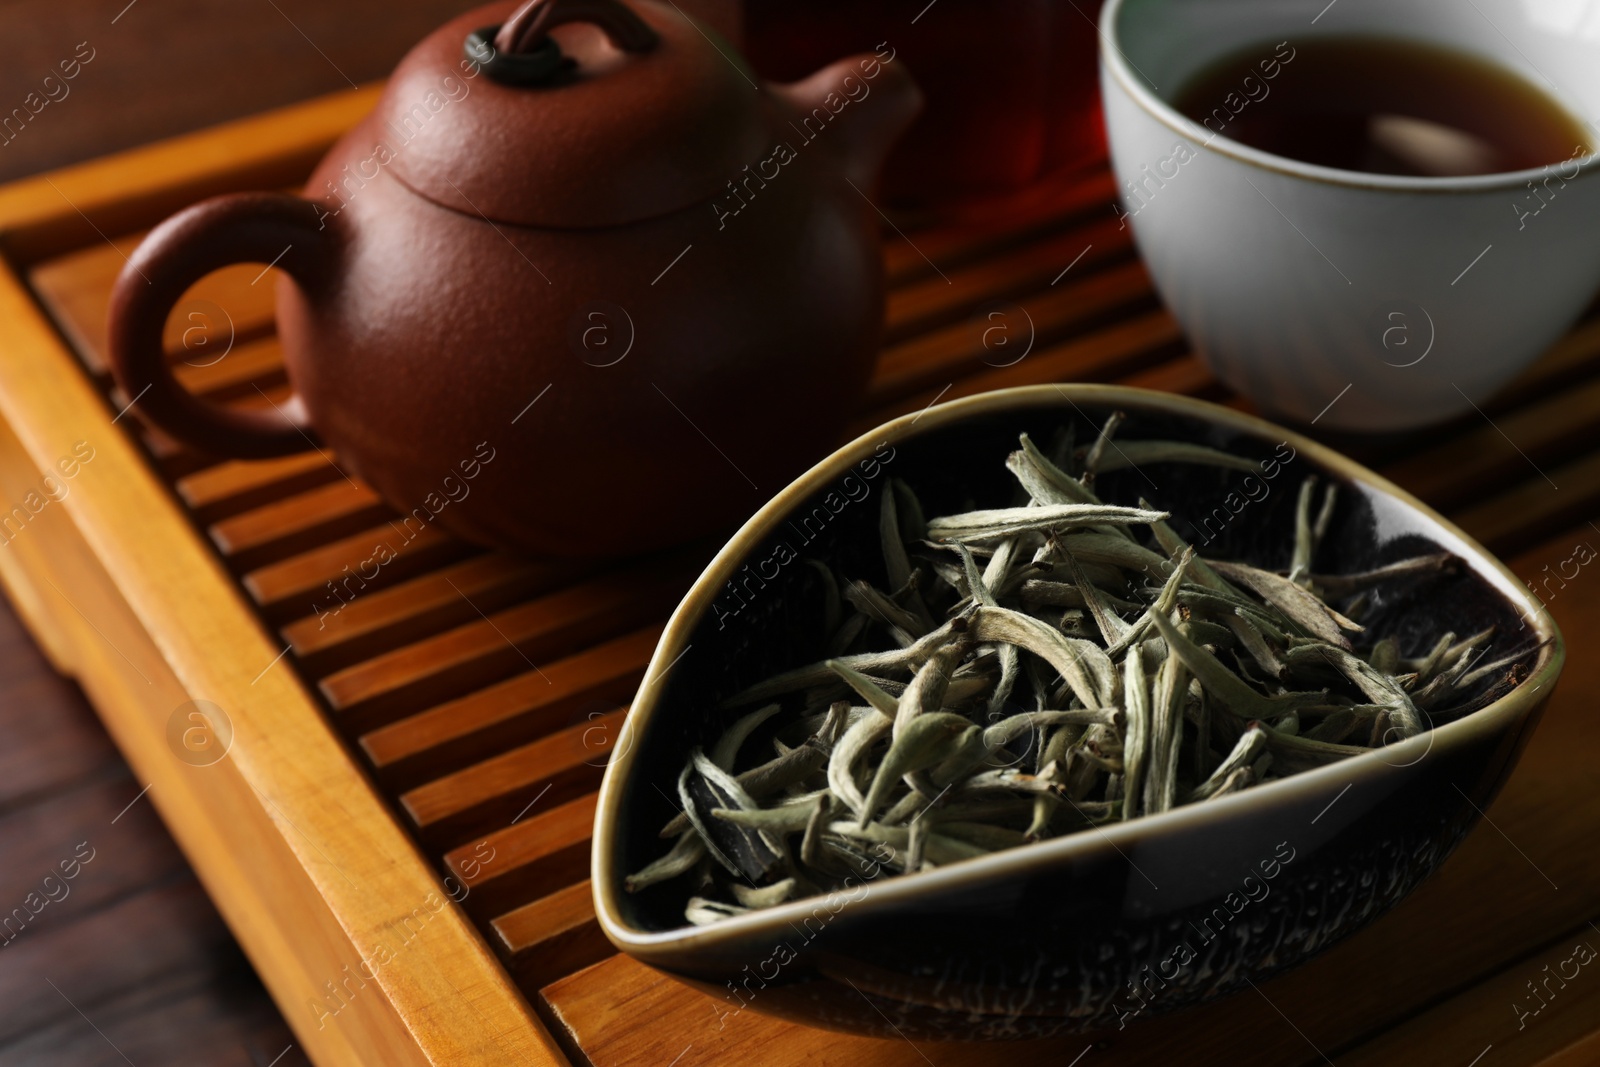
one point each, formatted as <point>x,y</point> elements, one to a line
<point>480,693</point>
<point>354,631</point>
<point>463,806</point>
<point>227,488</point>
<point>533,857</point>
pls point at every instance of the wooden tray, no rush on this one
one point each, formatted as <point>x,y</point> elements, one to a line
<point>452,718</point>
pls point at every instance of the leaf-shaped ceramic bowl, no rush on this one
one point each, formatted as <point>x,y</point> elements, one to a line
<point>1090,930</point>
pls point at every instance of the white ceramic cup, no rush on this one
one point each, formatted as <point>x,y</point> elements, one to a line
<point>1359,301</point>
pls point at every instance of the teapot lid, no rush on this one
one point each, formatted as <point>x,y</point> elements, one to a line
<point>630,112</point>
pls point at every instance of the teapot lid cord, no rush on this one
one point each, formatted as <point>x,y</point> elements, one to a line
<point>520,51</point>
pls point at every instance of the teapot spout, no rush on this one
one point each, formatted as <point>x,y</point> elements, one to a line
<point>860,104</point>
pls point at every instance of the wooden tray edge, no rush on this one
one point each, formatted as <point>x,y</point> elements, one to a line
<point>48,214</point>
<point>161,623</point>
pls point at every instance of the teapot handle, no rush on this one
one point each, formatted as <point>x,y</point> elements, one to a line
<point>268,228</point>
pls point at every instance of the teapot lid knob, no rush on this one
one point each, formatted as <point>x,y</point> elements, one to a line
<point>633,112</point>
<point>520,51</point>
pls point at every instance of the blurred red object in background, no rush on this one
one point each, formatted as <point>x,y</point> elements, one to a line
<point>1012,89</point>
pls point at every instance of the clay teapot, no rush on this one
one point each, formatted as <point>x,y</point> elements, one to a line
<point>579,286</point>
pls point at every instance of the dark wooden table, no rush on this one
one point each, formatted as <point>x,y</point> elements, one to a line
<point>126,957</point>
<point>129,961</point>
<point>160,67</point>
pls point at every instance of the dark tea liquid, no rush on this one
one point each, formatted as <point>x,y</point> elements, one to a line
<point>1384,106</point>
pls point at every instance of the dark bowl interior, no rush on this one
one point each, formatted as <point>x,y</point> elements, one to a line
<point>768,618</point>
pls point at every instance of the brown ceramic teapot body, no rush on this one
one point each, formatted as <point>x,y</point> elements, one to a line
<point>507,333</point>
